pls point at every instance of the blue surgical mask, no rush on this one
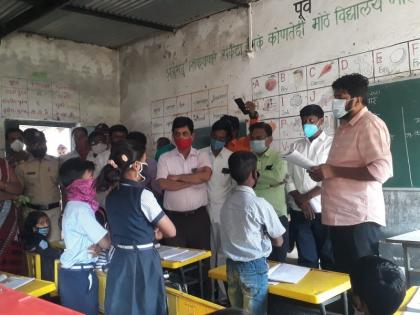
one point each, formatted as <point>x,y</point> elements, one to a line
<point>339,108</point>
<point>310,130</point>
<point>44,230</point>
<point>258,146</point>
<point>217,145</point>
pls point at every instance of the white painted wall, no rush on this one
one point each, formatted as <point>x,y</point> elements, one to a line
<point>92,71</point>
<point>144,65</point>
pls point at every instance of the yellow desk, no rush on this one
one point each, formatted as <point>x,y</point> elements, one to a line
<point>408,296</point>
<point>36,287</point>
<point>179,265</point>
<point>317,287</point>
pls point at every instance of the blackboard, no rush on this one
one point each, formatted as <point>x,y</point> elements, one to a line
<point>202,135</point>
<point>398,104</point>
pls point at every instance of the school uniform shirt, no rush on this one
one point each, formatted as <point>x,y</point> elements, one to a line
<point>38,243</point>
<point>272,170</point>
<point>220,184</point>
<point>80,230</point>
<point>362,142</point>
<point>174,163</point>
<point>317,151</point>
<point>247,223</point>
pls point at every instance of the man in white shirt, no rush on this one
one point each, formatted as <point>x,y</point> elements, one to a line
<point>304,194</point>
<point>218,187</point>
<point>99,151</point>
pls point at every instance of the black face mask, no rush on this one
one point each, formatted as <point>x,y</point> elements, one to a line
<point>38,153</point>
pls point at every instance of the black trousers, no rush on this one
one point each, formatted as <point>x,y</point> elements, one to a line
<point>351,242</point>
<point>280,253</point>
<point>312,241</point>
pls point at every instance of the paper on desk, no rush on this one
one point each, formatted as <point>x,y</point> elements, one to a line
<point>167,252</point>
<point>295,157</point>
<point>414,304</point>
<point>14,282</point>
<point>287,273</point>
<point>186,255</point>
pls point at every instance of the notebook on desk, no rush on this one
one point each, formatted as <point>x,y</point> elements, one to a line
<point>176,253</point>
<point>287,273</point>
<point>14,282</point>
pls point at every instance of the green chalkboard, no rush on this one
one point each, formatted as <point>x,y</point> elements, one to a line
<point>398,104</point>
<point>202,135</point>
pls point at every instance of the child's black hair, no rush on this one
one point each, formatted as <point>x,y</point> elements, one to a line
<point>73,169</point>
<point>30,222</point>
<point>241,164</point>
<point>379,283</point>
<point>123,154</point>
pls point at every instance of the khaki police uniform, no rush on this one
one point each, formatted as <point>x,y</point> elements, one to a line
<point>39,178</point>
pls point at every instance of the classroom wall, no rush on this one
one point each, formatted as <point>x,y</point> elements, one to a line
<point>48,79</point>
<point>181,69</point>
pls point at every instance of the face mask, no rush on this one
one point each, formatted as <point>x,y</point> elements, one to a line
<point>339,108</point>
<point>310,130</point>
<point>44,230</point>
<point>38,153</point>
<point>99,148</point>
<point>16,146</point>
<point>183,143</point>
<point>258,146</point>
<point>217,145</point>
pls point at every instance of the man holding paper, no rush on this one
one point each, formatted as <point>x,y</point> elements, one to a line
<point>304,194</point>
<point>359,162</point>
<point>272,172</point>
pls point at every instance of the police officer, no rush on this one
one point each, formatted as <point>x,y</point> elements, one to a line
<point>39,178</point>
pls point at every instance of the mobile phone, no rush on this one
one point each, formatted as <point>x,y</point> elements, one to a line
<point>241,105</point>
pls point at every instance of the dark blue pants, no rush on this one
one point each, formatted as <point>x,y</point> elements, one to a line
<point>280,253</point>
<point>312,241</point>
<point>79,290</point>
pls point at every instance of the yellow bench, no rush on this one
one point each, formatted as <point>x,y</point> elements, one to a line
<point>179,303</point>
<point>408,295</point>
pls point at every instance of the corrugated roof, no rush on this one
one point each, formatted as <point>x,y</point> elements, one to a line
<point>111,23</point>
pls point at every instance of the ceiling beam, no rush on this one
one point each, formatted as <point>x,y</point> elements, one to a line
<point>118,18</point>
<point>239,3</point>
<point>38,10</point>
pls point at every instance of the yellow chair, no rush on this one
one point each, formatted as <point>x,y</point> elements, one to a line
<point>33,268</point>
<point>33,265</point>
<point>180,303</point>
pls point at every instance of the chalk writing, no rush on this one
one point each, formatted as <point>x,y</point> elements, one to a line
<point>353,12</point>
<point>257,43</point>
<point>400,2</point>
<point>287,33</point>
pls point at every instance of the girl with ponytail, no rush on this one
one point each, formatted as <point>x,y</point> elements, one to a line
<point>135,280</point>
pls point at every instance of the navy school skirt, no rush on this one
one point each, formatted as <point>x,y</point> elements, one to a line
<point>79,290</point>
<point>134,284</point>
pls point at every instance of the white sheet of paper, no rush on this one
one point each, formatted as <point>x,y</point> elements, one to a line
<point>186,255</point>
<point>14,282</point>
<point>298,159</point>
<point>287,273</point>
<point>168,252</point>
<point>414,304</point>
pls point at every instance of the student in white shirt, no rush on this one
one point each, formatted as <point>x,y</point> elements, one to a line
<point>304,194</point>
<point>218,187</point>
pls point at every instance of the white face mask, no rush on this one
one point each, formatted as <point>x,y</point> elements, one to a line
<point>339,107</point>
<point>16,146</point>
<point>99,148</point>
